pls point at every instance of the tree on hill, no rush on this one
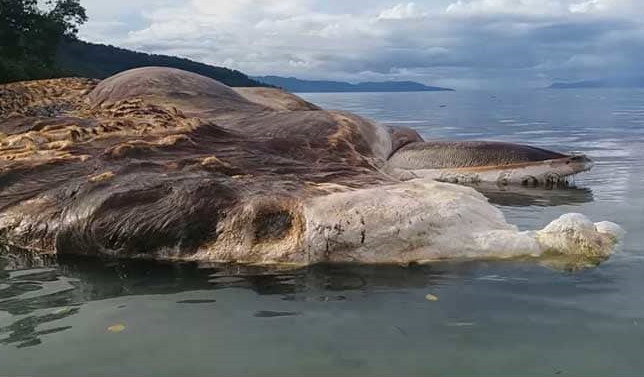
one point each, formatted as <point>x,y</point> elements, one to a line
<point>38,41</point>
<point>30,34</point>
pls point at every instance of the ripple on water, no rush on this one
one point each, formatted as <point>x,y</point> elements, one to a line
<point>538,132</point>
<point>34,300</point>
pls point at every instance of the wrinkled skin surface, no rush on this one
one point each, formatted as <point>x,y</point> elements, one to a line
<point>163,163</point>
<point>152,164</point>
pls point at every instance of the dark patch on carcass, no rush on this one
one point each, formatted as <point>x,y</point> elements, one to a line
<point>141,217</point>
<point>272,225</point>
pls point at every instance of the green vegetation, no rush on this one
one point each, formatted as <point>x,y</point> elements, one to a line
<point>100,61</point>
<point>38,41</point>
<point>31,33</point>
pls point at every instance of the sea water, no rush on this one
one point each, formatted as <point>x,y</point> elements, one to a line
<point>80,317</point>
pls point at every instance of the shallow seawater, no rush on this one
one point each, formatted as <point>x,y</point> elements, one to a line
<point>75,316</point>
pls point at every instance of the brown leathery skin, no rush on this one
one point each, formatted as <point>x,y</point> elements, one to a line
<point>276,99</point>
<point>162,163</point>
<point>44,97</point>
<point>402,136</point>
<point>188,92</point>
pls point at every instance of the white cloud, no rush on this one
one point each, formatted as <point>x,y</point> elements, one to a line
<point>545,7</point>
<point>608,7</point>
<point>585,7</point>
<point>489,42</point>
<point>513,7</point>
<point>401,11</point>
<point>98,31</point>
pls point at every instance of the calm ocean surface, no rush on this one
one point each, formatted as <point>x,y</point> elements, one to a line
<point>85,317</point>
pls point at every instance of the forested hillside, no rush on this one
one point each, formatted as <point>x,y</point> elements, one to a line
<point>79,58</point>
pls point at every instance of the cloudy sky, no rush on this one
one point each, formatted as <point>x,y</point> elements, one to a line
<point>456,43</point>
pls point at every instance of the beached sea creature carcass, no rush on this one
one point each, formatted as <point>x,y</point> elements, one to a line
<point>162,163</point>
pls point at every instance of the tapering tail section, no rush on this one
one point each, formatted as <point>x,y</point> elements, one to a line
<point>483,161</point>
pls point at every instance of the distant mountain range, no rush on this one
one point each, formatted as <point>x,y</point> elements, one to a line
<point>630,82</point>
<point>296,85</point>
<point>79,58</point>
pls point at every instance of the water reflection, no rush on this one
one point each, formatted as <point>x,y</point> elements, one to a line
<point>523,196</point>
<point>24,333</point>
<point>340,312</point>
<point>30,297</point>
<point>70,280</point>
<point>272,314</point>
<point>58,287</point>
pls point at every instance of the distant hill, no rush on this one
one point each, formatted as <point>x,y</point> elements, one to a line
<point>296,85</point>
<point>631,82</point>
<point>79,58</point>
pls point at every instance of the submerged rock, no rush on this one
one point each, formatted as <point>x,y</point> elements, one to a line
<point>162,163</point>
